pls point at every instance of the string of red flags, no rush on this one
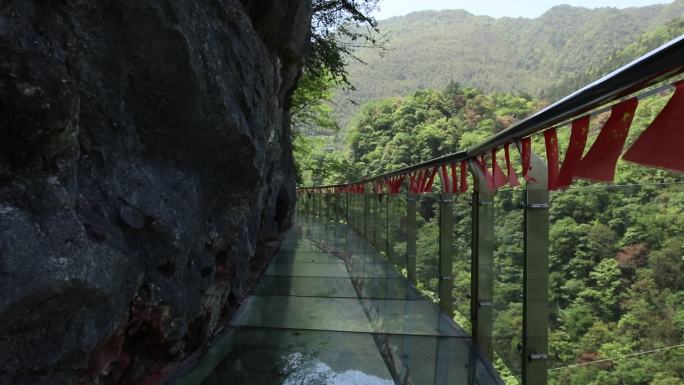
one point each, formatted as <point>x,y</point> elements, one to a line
<point>421,181</point>
<point>662,145</point>
<point>454,177</point>
<point>394,183</point>
<point>378,186</point>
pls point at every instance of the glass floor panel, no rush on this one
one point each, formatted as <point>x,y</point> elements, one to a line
<point>307,357</point>
<point>390,288</point>
<point>337,318</point>
<point>346,314</point>
<point>307,269</point>
<point>311,256</point>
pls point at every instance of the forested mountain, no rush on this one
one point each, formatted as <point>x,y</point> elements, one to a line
<point>428,49</point>
<point>646,43</point>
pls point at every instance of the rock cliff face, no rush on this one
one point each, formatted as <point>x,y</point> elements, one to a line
<point>144,155</point>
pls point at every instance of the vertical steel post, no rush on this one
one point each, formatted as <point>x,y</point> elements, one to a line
<point>535,333</point>
<point>482,262</point>
<point>446,253</point>
<point>411,200</point>
<point>346,208</point>
<point>388,246</point>
<point>366,214</point>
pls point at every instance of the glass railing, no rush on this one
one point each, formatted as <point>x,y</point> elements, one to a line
<point>508,283</point>
<point>427,245</point>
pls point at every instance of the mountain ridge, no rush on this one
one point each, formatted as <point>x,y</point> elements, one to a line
<point>427,49</point>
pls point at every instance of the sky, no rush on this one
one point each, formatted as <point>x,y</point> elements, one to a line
<point>499,8</point>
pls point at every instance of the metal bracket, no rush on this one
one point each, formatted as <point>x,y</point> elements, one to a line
<point>538,206</point>
<point>485,303</point>
<point>537,356</point>
<point>450,200</point>
<point>446,277</point>
<point>487,203</point>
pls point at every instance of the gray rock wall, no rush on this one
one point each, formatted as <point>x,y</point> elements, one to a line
<point>144,154</point>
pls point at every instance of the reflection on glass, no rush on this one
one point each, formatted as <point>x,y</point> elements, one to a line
<point>338,317</point>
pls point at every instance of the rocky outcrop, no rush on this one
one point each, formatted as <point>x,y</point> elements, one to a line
<point>144,155</point>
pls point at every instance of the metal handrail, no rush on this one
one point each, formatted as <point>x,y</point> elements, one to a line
<point>660,64</point>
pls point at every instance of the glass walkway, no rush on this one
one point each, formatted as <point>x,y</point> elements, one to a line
<point>330,310</point>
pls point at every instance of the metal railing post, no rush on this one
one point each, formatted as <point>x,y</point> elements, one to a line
<point>411,200</point>
<point>482,262</point>
<point>366,215</point>
<point>446,253</point>
<point>389,250</point>
<point>535,333</point>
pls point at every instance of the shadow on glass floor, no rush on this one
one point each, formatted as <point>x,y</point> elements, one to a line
<point>326,313</point>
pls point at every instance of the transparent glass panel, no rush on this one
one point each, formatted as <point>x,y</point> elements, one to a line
<point>616,286</point>
<point>427,245</point>
<point>380,225</point>
<point>508,280</point>
<point>397,231</point>
<point>462,245</point>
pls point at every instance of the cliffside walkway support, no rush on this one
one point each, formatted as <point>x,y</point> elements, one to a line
<point>330,309</point>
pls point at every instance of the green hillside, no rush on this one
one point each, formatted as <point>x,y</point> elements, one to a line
<point>428,49</point>
<point>646,43</point>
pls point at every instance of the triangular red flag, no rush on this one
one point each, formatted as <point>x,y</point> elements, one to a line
<point>429,179</point>
<point>573,154</point>
<point>482,165</point>
<point>464,177</point>
<point>494,181</point>
<point>512,176</point>
<point>500,178</point>
<point>454,178</point>
<point>599,163</point>
<point>661,145</point>
<point>551,141</point>
<point>444,176</point>
<point>526,155</point>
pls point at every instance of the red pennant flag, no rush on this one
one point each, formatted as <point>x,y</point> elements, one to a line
<point>416,181</point>
<point>661,145</point>
<point>464,177</point>
<point>429,179</point>
<point>445,179</point>
<point>480,162</point>
<point>599,163</point>
<point>573,154</point>
<point>499,178</point>
<point>454,178</point>
<point>551,141</point>
<point>526,154</point>
<point>494,181</point>
<point>512,176</point>
<point>420,182</point>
